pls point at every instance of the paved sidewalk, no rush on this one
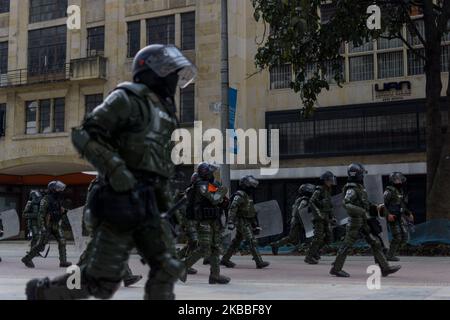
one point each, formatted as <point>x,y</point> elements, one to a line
<point>288,277</point>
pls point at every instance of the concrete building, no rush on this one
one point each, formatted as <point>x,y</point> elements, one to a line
<point>51,76</point>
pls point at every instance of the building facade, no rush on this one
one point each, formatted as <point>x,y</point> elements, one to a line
<point>51,76</point>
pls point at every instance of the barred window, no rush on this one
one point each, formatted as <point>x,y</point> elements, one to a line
<point>4,6</point>
<point>47,50</point>
<point>92,101</point>
<point>329,75</point>
<point>416,64</point>
<point>366,46</point>
<point>59,115</point>
<point>43,10</point>
<point>384,43</point>
<point>188,31</point>
<point>44,116</point>
<point>187,104</point>
<point>96,41</point>
<point>281,77</point>
<point>390,64</point>
<point>161,30</point>
<point>413,39</point>
<point>361,68</point>
<point>2,119</point>
<point>134,38</point>
<point>3,57</point>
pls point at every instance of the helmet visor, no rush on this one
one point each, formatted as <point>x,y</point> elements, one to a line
<point>170,60</point>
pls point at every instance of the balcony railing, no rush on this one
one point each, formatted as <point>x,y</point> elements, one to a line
<point>78,69</point>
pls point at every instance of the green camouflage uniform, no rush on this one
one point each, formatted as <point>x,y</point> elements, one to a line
<point>322,210</point>
<point>358,207</point>
<point>242,214</point>
<point>296,225</point>
<point>396,202</point>
<point>49,222</point>
<point>128,140</point>
<point>30,214</point>
<point>209,226</point>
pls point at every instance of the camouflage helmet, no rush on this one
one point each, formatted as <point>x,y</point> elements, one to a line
<point>248,182</point>
<point>306,189</point>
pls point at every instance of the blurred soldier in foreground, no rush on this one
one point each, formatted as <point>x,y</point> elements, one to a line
<point>207,204</point>
<point>322,210</point>
<point>399,215</point>
<point>243,218</point>
<point>305,192</point>
<point>50,216</point>
<point>128,140</point>
<point>357,204</point>
<point>30,213</point>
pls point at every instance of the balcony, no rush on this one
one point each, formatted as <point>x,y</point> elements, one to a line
<point>77,70</point>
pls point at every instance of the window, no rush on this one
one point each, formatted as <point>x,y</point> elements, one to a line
<point>95,41</point>
<point>59,115</point>
<point>416,64</point>
<point>92,101</point>
<point>47,50</point>
<point>368,129</point>
<point>187,104</point>
<point>31,117</point>
<point>188,31</point>
<point>3,57</point>
<point>43,10</point>
<point>444,58</point>
<point>361,68</point>
<point>4,6</point>
<point>161,30</point>
<point>134,38</point>
<point>281,77</point>
<point>390,64</point>
<point>2,119</point>
<point>45,116</point>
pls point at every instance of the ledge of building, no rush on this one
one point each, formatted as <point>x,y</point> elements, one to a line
<point>40,136</point>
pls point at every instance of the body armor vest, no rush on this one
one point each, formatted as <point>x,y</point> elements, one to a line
<point>146,145</point>
<point>396,202</point>
<point>324,204</point>
<point>204,209</point>
<point>247,209</point>
<point>362,199</point>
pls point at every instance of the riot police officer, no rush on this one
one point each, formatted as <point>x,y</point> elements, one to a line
<point>206,205</point>
<point>305,192</point>
<point>30,213</point>
<point>357,204</point>
<point>322,210</point>
<point>399,215</point>
<point>243,218</point>
<point>128,140</point>
<point>50,216</point>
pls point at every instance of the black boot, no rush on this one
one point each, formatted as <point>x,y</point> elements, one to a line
<point>392,259</point>
<point>65,264</point>
<point>28,262</point>
<point>191,271</point>
<point>227,263</point>
<point>390,270</point>
<point>339,273</point>
<point>129,281</point>
<point>311,260</point>
<point>275,250</point>
<point>219,279</point>
<point>262,264</point>
<point>206,261</point>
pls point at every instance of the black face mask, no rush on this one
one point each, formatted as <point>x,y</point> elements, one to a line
<point>164,87</point>
<point>399,186</point>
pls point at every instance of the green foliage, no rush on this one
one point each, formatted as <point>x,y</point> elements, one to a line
<point>298,37</point>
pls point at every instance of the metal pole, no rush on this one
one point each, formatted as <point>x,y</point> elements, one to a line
<point>225,169</point>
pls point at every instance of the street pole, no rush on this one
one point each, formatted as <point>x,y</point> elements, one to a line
<point>225,115</point>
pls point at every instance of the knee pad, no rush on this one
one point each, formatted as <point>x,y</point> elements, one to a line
<point>343,250</point>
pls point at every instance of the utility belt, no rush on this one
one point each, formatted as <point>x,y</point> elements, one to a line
<point>208,214</point>
<point>125,210</point>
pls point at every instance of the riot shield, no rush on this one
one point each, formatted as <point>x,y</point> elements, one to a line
<point>75,218</point>
<point>9,224</point>
<point>338,209</point>
<point>307,221</point>
<point>374,188</point>
<point>270,218</point>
